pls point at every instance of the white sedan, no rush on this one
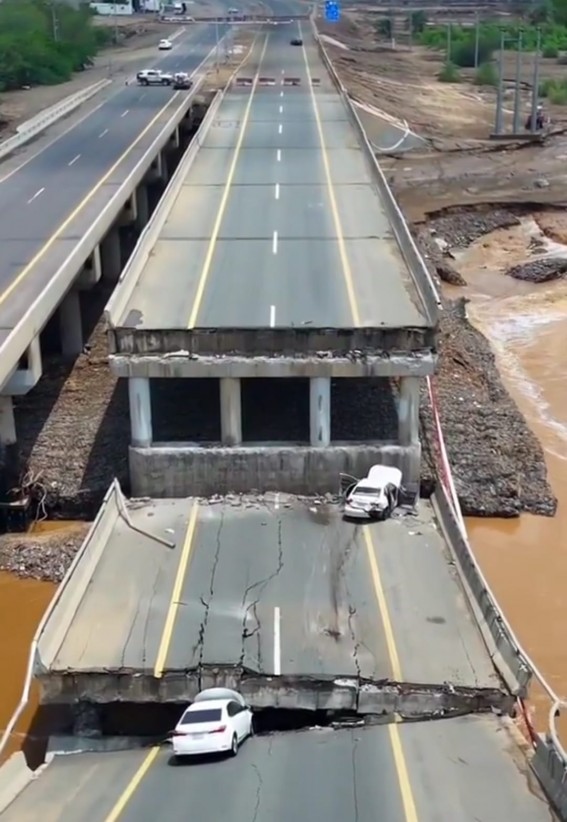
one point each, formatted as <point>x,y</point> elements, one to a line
<point>165,45</point>
<point>374,497</point>
<point>218,721</point>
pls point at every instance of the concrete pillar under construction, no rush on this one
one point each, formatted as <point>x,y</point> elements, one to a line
<point>111,256</point>
<point>231,411</point>
<point>408,411</point>
<point>71,325</point>
<point>142,207</point>
<point>140,411</point>
<point>320,411</point>
<point>7,422</point>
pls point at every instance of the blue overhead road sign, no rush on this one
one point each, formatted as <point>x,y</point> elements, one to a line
<point>332,11</point>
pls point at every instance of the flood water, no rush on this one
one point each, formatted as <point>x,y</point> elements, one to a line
<point>525,560</point>
<point>22,604</point>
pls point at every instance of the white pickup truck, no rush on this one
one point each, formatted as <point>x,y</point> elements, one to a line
<point>154,77</point>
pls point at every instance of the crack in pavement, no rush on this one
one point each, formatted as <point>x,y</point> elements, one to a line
<point>200,645</point>
<point>258,791</point>
<point>354,785</point>
<point>251,608</point>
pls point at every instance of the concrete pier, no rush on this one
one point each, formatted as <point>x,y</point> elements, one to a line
<point>111,256</point>
<point>320,411</point>
<point>142,207</point>
<point>7,422</point>
<point>231,411</point>
<point>140,411</point>
<point>408,411</point>
<point>71,325</point>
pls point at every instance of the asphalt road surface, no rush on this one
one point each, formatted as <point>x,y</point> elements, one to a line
<point>278,585</point>
<point>279,222</point>
<point>456,770</point>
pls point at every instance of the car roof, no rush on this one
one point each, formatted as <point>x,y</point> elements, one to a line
<point>209,694</point>
<point>384,474</point>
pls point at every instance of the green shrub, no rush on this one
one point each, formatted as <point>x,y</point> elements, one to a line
<point>486,75</point>
<point>555,90</point>
<point>449,74</point>
<point>34,51</point>
<point>550,50</point>
<point>464,52</point>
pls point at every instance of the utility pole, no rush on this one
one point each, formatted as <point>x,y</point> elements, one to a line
<point>217,43</point>
<point>517,100</point>
<point>498,126</point>
<point>449,31</point>
<point>535,84</point>
<point>410,33</point>
<point>54,22</point>
<point>477,40</point>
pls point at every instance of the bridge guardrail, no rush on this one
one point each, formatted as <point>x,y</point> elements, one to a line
<point>517,669</point>
<point>31,128</point>
<point>418,270</point>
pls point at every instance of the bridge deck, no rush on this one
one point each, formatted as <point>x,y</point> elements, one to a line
<point>277,585</point>
<point>278,222</point>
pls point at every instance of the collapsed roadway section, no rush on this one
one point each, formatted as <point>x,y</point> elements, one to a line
<point>277,596</point>
<point>278,265</point>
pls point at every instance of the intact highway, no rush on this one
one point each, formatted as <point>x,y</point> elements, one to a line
<point>53,187</point>
<point>287,228</point>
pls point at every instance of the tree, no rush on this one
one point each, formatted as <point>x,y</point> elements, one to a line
<point>417,21</point>
<point>384,27</point>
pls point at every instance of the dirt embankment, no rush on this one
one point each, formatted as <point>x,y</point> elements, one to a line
<point>498,463</point>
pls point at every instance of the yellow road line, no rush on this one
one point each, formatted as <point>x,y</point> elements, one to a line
<point>131,787</point>
<point>176,593</point>
<point>404,782</point>
<point>347,273</point>
<point>222,207</point>
<point>76,211</point>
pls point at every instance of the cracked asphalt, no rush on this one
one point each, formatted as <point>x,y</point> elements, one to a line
<point>271,585</point>
<point>459,770</point>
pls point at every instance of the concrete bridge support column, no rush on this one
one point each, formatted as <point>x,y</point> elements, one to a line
<point>142,207</point>
<point>71,325</point>
<point>111,256</point>
<point>408,411</point>
<point>231,411</point>
<point>320,411</point>
<point>7,422</point>
<point>92,271</point>
<point>140,411</point>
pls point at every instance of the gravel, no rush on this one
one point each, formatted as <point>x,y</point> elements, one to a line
<point>539,271</point>
<point>464,227</point>
<point>45,557</point>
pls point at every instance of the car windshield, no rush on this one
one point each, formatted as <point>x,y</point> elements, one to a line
<point>365,489</point>
<point>196,717</point>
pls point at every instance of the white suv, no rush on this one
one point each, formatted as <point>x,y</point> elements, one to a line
<point>154,77</point>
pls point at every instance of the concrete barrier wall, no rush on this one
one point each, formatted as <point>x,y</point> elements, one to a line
<point>417,268</point>
<point>548,764</point>
<point>149,236</point>
<point>64,606</point>
<point>15,776</point>
<point>32,128</point>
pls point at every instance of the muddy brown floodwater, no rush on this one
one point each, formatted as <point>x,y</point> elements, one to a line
<point>22,604</point>
<point>525,559</point>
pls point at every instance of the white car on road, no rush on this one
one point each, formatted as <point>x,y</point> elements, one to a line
<point>165,45</point>
<point>374,497</point>
<point>218,721</point>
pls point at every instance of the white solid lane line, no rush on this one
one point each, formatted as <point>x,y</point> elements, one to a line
<point>277,192</point>
<point>277,642</point>
<point>74,160</point>
<point>102,133</point>
<point>275,243</point>
<point>280,128</point>
<point>37,193</point>
<point>279,155</point>
<point>272,316</point>
<point>124,113</point>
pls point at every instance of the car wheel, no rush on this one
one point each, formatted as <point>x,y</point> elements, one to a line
<point>234,746</point>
